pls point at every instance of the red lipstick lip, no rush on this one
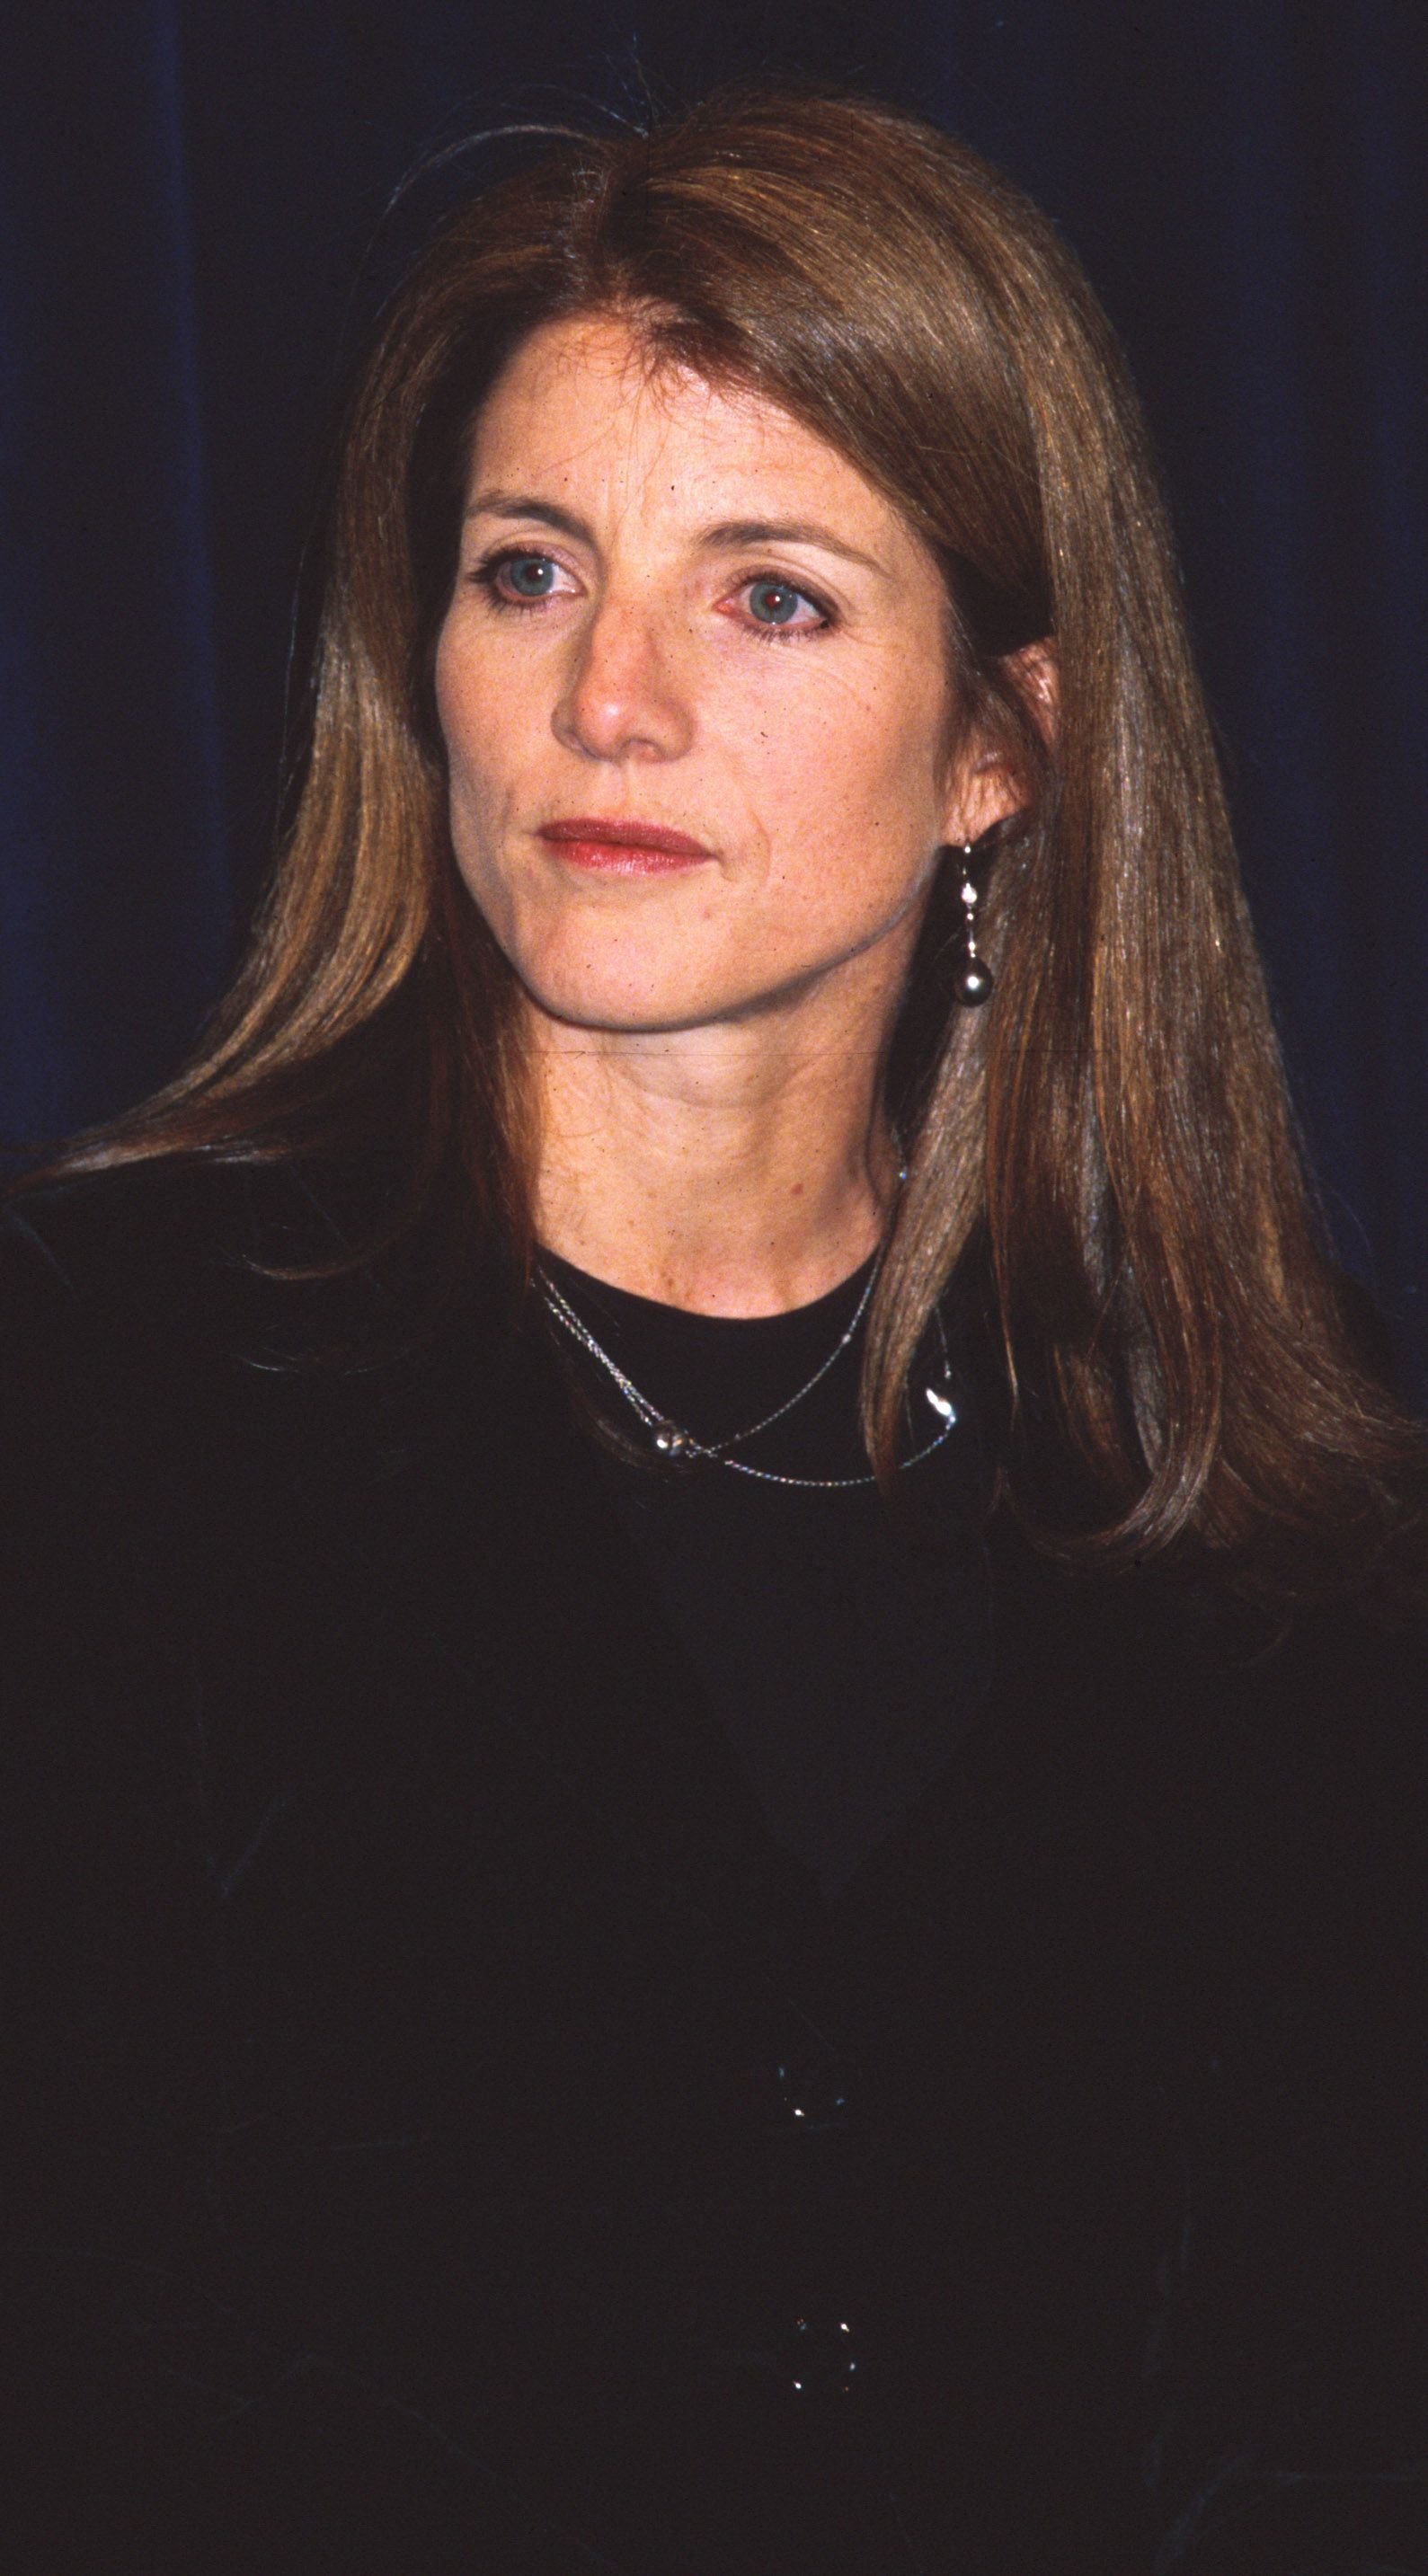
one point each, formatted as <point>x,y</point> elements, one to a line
<point>592,841</point>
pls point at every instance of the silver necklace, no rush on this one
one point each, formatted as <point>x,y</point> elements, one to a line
<point>672,1442</point>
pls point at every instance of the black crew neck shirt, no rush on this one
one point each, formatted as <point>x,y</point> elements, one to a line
<point>842,1644</point>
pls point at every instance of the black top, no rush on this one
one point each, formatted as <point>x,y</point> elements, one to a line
<point>451,2130</point>
<point>841,1645</point>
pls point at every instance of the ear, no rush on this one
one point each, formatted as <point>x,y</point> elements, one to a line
<point>985,787</point>
<point>1035,673</point>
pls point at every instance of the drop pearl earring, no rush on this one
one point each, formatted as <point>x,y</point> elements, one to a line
<point>975,981</point>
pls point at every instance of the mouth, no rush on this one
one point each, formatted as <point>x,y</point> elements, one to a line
<point>622,849</point>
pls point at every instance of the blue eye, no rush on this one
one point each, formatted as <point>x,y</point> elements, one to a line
<point>774,603</point>
<point>528,576</point>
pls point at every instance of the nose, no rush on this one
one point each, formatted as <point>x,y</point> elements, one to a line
<point>624,697</point>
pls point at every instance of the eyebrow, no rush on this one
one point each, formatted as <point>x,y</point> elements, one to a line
<point>523,505</point>
<point>734,533</point>
<point>726,538</point>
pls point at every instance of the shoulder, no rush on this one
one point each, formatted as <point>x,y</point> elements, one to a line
<point>125,1298</point>
<point>98,1275</point>
<point>168,1330</point>
<point>161,1266</point>
<point>137,1243</point>
<point>1273,1760</point>
<point>1177,1646</point>
<point>228,1344</point>
<point>116,1293</point>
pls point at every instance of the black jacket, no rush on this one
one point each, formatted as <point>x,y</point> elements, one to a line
<point>437,2100</point>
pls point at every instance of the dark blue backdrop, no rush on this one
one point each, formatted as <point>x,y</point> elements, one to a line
<point>190,189</point>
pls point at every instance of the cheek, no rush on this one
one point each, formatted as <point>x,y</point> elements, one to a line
<point>475,797</point>
<point>457,693</point>
<point>856,776</point>
<point>472,675</point>
<point>481,759</point>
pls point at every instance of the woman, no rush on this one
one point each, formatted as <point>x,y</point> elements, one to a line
<point>649,1961</point>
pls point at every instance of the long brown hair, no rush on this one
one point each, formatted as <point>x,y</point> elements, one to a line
<point>1113,1131</point>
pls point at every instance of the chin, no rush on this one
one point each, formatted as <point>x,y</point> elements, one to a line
<point>630,994</point>
<point>586,1002</point>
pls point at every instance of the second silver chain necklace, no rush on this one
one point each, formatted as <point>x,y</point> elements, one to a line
<point>673,1443</point>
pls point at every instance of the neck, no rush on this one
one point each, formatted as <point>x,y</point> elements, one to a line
<point>739,1169</point>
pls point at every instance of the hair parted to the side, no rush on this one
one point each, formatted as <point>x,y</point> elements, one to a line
<point>1113,1131</point>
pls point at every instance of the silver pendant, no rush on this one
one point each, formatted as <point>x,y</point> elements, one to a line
<point>940,1404</point>
<point>670,1441</point>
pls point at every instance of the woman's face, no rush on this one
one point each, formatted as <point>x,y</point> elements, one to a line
<point>693,682</point>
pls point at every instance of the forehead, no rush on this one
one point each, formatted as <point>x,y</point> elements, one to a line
<point>587,403</point>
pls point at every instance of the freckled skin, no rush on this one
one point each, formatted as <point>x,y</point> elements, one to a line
<point>807,756</point>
